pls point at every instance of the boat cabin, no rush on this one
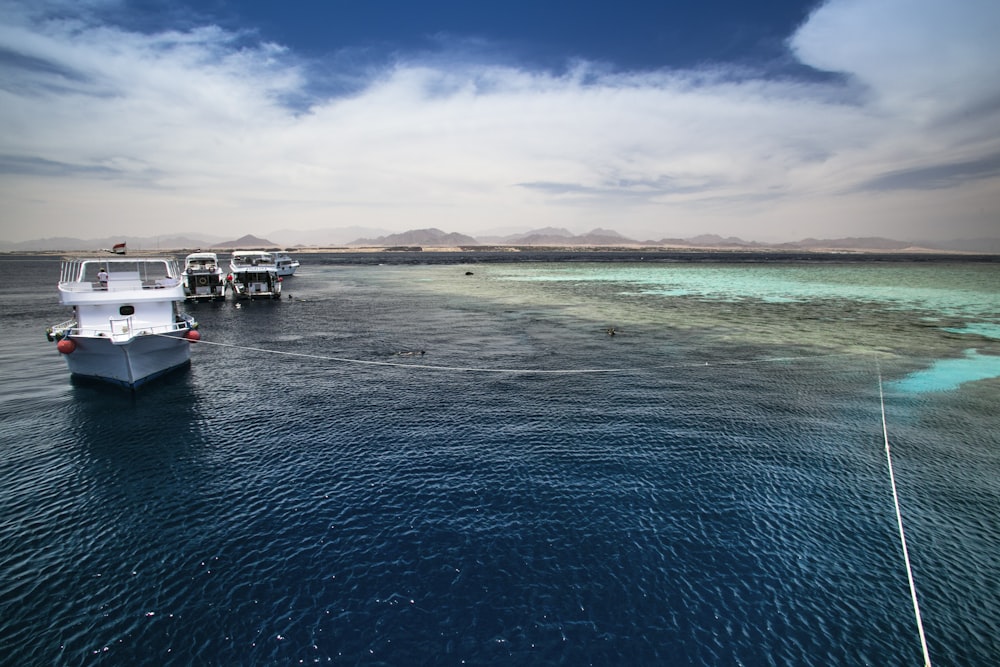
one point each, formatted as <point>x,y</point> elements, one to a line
<point>201,261</point>
<point>114,297</point>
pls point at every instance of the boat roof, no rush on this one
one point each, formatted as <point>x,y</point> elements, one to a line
<point>202,255</point>
<point>157,278</point>
<point>118,262</point>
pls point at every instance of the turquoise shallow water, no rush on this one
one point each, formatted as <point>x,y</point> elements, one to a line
<point>952,290</point>
<point>849,302</point>
<point>950,374</point>
<point>444,460</point>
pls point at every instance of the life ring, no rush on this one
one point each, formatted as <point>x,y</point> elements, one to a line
<point>202,280</point>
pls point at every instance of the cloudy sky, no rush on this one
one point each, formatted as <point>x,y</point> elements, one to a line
<point>770,120</point>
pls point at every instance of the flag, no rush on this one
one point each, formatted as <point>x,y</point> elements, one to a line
<point>118,248</point>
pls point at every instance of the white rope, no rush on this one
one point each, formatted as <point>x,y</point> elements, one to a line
<point>398,364</point>
<point>885,428</point>
<point>521,371</point>
<point>899,522</point>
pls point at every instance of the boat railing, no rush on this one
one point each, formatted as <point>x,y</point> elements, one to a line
<point>64,327</point>
<point>118,330</point>
<point>81,275</point>
<point>118,284</point>
<point>121,329</point>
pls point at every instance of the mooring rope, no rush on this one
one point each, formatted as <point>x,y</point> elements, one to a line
<point>430,367</point>
<point>519,371</point>
<point>899,522</point>
<point>724,362</point>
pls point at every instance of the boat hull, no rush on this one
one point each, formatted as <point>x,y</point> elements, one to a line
<point>255,284</point>
<point>285,265</point>
<point>130,364</point>
<point>204,287</point>
<point>203,278</point>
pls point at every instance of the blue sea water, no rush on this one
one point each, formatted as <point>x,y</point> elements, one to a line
<point>448,459</point>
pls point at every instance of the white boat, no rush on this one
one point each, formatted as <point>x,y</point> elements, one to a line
<point>127,328</point>
<point>285,264</point>
<point>203,277</point>
<point>253,274</point>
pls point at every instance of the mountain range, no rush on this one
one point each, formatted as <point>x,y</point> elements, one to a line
<point>357,237</point>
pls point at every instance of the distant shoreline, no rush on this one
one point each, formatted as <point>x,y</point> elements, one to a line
<point>554,253</point>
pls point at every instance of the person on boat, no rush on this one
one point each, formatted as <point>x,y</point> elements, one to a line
<point>102,277</point>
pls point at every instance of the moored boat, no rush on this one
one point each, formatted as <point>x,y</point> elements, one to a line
<point>285,264</point>
<point>127,328</point>
<point>253,274</point>
<point>203,277</point>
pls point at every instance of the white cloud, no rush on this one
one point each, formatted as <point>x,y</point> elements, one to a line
<point>908,50</point>
<point>195,126</point>
<point>933,68</point>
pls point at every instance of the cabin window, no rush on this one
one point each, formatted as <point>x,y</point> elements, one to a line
<point>126,310</point>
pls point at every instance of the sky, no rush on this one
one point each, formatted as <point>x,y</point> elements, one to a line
<point>775,120</point>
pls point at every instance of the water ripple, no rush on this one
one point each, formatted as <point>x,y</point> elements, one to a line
<point>278,510</point>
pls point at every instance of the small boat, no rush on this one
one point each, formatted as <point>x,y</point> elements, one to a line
<point>203,278</point>
<point>127,327</point>
<point>285,264</point>
<point>253,274</point>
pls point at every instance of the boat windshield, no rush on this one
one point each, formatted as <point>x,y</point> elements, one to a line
<point>253,259</point>
<point>201,264</point>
